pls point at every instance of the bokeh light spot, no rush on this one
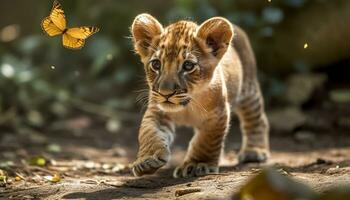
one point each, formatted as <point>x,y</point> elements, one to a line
<point>9,33</point>
<point>7,70</point>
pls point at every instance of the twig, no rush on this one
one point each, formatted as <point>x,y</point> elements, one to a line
<point>182,192</point>
<point>40,169</point>
<point>111,184</point>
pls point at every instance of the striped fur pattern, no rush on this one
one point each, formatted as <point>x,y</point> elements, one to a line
<point>197,76</point>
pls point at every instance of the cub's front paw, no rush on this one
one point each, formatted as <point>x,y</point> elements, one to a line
<point>252,155</point>
<point>150,164</point>
<point>192,169</point>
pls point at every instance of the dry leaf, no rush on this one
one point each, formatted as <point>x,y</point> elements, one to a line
<point>3,178</point>
<point>53,179</point>
<point>38,161</point>
<point>271,185</point>
<point>17,178</point>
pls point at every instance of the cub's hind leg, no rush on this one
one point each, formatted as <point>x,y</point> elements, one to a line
<point>254,127</point>
<point>205,148</point>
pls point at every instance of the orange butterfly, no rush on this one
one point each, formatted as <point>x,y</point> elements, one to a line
<point>55,24</point>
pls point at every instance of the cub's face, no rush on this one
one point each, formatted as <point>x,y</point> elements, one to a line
<point>179,60</point>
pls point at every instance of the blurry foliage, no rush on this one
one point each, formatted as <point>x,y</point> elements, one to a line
<point>41,81</point>
<point>269,184</point>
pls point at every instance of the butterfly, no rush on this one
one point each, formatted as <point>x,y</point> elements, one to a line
<point>55,24</point>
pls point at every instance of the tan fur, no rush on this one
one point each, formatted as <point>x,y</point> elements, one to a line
<point>221,79</point>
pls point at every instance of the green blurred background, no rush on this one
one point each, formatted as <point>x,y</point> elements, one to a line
<point>41,82</point>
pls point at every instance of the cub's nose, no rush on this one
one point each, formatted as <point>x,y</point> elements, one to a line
<point>167,88</point>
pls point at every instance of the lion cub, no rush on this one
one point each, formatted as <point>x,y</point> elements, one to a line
<point>197,75</point>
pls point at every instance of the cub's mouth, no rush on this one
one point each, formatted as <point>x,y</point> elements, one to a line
<point>183,102</point>
<point>172,102</point>
<point>172,106</point>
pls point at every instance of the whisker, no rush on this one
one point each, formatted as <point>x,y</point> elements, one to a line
<point>141,98</point>
<point>141,91</point>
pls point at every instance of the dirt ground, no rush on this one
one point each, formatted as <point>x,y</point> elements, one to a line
<point>92,164</point>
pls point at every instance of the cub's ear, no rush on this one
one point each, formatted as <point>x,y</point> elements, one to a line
<point>144,29</point>
<point>215,35</point>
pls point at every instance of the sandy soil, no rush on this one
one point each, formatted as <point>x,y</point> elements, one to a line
<point>86,159</point>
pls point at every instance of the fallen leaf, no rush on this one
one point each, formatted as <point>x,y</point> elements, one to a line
<point>3,178</point>
<point>17,178</point>
<point>271,185</point>
<point>53,179</point>
<point>38,161</point>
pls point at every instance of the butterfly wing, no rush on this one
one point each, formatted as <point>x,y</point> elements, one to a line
<point>71,42</point>
<point>73,38</point>
<point>57,16</point>
<point>49,27</point>
<point>82,32</point>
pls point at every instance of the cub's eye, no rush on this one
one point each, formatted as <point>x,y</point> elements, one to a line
<point>188,66</point>
<point>155,65</point>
